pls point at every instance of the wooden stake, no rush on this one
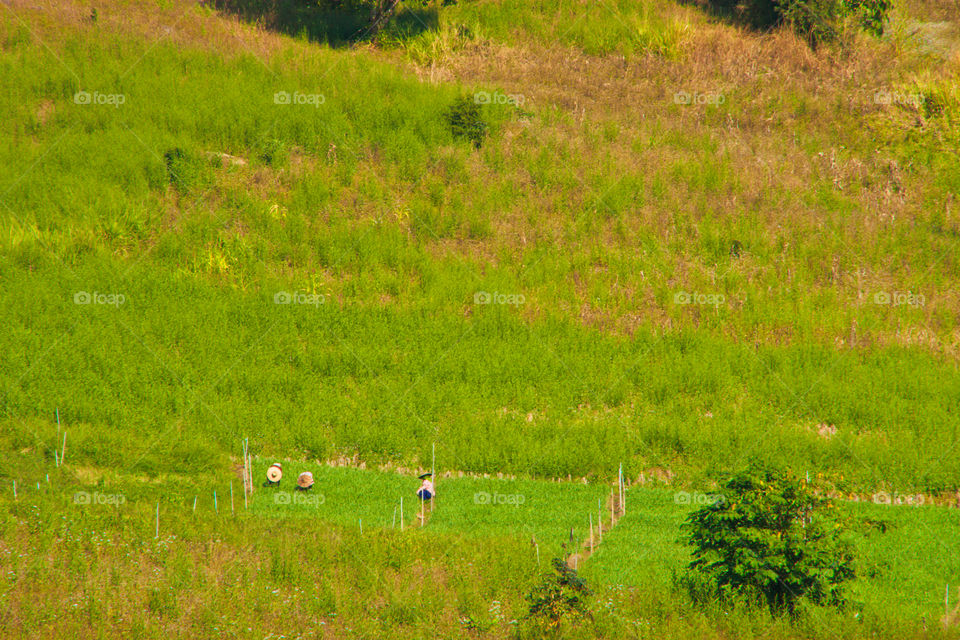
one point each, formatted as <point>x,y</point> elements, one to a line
<point>55,458</point>
<point>401,513</point>
<point>64,451</point>
<point>623,493</point>
<point>361,526</point>
<point>620,484</point>
<point>600,517</point>
<point>215,501</point>
<point>194,504</point>
<point>394,525</point>
<point>157,534</point>
<point>243,474</point>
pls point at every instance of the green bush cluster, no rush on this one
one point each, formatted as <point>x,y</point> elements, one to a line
<point>770,535</point>
<point>816,20</point>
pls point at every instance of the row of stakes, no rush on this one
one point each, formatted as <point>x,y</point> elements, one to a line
<point>305,482</point>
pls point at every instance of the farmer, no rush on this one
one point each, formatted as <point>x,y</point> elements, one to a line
<point>426,490</point>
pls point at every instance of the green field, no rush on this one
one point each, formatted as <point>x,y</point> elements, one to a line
<point>682,244</point>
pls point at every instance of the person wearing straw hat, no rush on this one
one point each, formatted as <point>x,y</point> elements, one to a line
<point>274,475</point>
<point>305,481</point>
<point>426,490</point>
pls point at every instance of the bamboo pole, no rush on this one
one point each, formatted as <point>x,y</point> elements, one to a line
<point>243,474</point>
<point>157,534</point>
<point>600,517</point>
<point>231,497</point>
<point>14,489</point>
<point>401,513</point>
<point>215,508</point>
<point>591,532</point>
<point>620,486</point>
<point>194,504</point>
<point>56,459</point>
<point>64,451</point>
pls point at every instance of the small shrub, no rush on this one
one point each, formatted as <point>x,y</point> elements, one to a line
<point>466,121</point>
<point>560,596</point>
<point>185,170</point>
<point>272,152</point>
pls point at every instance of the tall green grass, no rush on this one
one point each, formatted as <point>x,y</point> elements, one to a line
<point>186,367</point>
<point>623,27</point>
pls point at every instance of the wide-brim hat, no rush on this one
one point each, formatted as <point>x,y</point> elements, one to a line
<point>275,472</point>
<point>305,480</point>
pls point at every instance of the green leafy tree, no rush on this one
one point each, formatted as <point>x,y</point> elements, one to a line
<point>771,536</point>
<point>560,596</point>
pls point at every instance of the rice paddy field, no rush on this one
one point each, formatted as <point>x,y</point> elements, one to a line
<point>670,244</point>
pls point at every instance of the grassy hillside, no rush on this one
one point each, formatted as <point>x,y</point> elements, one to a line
<point>681,244</point>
